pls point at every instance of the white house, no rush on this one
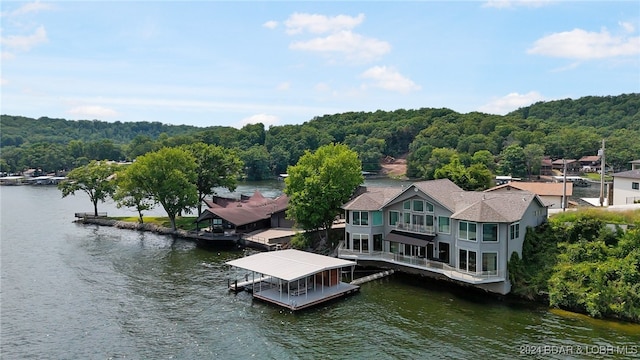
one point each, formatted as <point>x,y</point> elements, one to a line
<point>435,228</point>
<point>626,187</point>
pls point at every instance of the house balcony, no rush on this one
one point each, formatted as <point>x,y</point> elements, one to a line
<point>480,277</point>
<point>421,229</point>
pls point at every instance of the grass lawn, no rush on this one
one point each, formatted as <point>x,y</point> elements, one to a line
<point>182,222</point>
<point>596,177</point>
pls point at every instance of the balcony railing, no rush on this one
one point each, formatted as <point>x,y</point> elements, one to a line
<point>423,229</point>
<point>424,264</point>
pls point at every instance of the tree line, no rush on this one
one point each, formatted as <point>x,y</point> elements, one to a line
<point>178,179</point>
<point>436,142</point>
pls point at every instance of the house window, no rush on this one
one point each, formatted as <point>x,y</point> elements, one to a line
<point>394,216</point>
<point>444,225</point>
<point>429,207</point>
<point>467,260</point>
<point>490,263</point>
<point>360,218</point>
<point>217,221</point>
<point>514,231</point>
<point>467,231</point>
<point>418,205</point>
<point>377,242</point>
<point>635,186</point>
<point>361,242</point>
<point>376,218</point>
<point>489,232</point>
<point>407,218</point>
<point>406,205</point>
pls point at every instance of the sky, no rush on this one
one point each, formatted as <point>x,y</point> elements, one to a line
<point>215,63</point>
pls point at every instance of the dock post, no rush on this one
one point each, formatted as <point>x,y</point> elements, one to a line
<point>235,285</point>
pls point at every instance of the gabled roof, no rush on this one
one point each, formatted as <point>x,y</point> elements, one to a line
<point>631,174</point>
<point>591,158</point>
<point>538,188</point>
<point>440,190</point>
<point>503,207</point>
<point>499,207</point>
<point>374,198</point>
<point>243,212</point>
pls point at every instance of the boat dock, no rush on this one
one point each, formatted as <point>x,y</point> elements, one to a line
<point>293,279</point>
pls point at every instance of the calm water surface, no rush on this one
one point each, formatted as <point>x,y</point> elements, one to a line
<point>73,291</point>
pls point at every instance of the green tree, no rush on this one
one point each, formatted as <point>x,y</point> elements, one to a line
<point>475,177</point>
<point>167,176</point>
<point>257,163</point>
<point>129,195</point>
<point>217,167</point>
<point>533,155</point>
<point>320,183</point>
<point>485,158</point>
<point>94,179</point>
<point>512,161</point>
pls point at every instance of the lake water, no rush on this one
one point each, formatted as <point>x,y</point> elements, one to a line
<point>71,291</point>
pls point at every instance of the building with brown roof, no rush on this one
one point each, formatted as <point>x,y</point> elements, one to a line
<point>436,229</point>
<point>232,216</point>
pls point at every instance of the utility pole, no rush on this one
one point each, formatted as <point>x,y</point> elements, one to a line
<point>564,184</point>
<point>602,167</point>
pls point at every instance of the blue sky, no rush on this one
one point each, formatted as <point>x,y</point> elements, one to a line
<point>207,63</point>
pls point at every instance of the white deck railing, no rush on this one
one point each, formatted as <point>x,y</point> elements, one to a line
<point>424,264</point>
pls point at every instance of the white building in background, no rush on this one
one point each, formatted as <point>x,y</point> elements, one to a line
<point>626,187</point>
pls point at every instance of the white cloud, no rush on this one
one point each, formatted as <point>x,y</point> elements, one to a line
<point>284,86</point>
<point>321,24</point>
<point>30,7</point>
<point>24,42</point>
<point>4,81</point>
<point>92,111</point>
<point>389,79</point>
<point>271,24</point>
<point>581,44</point>
<point>354,47</point>
<point>627,26</point>
<point>322,87</point>
<point>502,4</point>
<point>266,120</point>
<point>511,102</point>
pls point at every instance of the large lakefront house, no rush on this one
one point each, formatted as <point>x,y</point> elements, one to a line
<point>436,229</point>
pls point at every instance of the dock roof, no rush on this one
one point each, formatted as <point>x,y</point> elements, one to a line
<point>290,264</point>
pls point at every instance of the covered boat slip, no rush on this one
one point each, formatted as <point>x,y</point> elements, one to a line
<point>294,279</point>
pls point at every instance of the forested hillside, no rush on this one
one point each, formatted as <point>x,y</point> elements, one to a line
<point>430,138</point>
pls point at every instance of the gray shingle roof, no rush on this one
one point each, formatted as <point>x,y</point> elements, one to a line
<point>492,207</point>
<point>440,190</point>
<point>502,207</point>
<point>372,199</point>
<point>631,174</point>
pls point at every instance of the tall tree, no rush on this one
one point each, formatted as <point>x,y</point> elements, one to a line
<point>94,179</point>
<point>168,176</point>
<point>129,195</point>
<point>512,161</point>
<point>320,183</point>
<point>533,155</point>
<point>216,167</point>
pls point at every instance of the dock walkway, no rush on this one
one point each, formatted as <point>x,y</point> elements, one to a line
<point>372,277</point>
